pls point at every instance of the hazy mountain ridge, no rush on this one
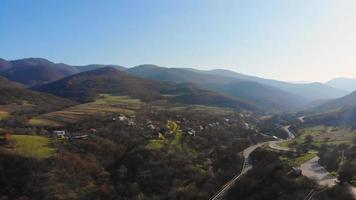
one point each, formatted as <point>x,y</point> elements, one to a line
<point>311,91</point>
<point>86,86</point>
<point>280,96</point>
<point>347,84</point>
<point>269,94</point>
<point>340,111</point>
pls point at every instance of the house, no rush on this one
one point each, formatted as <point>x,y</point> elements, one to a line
<point>131,122</point>
<point>80,136</point>
<point>151,126</point>
<point>191,132</point>
<point>122,118</point>
<point>59,133</point>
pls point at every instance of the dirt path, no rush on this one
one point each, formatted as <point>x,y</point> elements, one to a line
<point>313,170</point>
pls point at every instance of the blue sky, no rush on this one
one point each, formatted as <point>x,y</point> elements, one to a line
<point>310,40</point>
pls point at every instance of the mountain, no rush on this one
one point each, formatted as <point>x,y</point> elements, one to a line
<point>177,75</point>
<point>347,84</point>
<point>85,68</point>
<point>87,86</point>
<point>310,91</point>
<point>37,71</point>
<point>345,102</point>
<point>271,98</point>
<point>14,93</point>
<point>263,95</point>
<point>34,71</point>
<point>341,111</point>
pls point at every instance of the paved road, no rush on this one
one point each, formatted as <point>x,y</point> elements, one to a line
<point>301,119</point>
<point>290,134</point>
<point>274,145</point>
<point>246,167</point>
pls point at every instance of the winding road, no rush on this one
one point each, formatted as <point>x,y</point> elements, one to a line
<point>311,168</point>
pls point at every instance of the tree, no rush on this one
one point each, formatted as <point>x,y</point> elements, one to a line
<point>308,139</point>
<point>348,170</point>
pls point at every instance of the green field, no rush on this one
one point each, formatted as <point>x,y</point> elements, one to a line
<point>3,115</point>
<point>324,135</point>
<point>155,144</point>
<point>104,105</point>
<point>302,159</point>
<point>31,146</point>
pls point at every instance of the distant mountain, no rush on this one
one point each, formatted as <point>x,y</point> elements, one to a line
<point>177,75</point>
<point>13,93</point>
<point>35,71</point>
<point>268,97</point>
<point>347,84</point>
<point>85,68</point>
<point>87,86</point>
<point>264,95</point>
<point>341,111</point>
<point>345,102</point>
<point>310,91</point>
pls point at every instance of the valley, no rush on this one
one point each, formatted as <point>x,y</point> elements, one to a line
<point>150,132</point>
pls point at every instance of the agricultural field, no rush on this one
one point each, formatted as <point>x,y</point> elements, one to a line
<point>103,106</point>
<point>30,146</point>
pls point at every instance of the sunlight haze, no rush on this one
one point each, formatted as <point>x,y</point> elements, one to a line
<point>304,40</point>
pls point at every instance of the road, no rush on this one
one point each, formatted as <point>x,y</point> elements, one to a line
<point>301,119</point>
<point>246,167</point>
<point>274,145</point>
<point>290,134</point>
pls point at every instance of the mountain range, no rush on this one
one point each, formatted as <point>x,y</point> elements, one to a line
<point>83,83</point>
<point>36,71</point>
<point>89,85</point>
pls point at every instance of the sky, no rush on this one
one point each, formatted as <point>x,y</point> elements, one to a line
<point>294,40</point>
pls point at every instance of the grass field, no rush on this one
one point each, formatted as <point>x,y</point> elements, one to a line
<point>324,135</point>
<point>104,105</point>
<point>31,146</point>
<point>302,159</point>
<point>3,115</point>
<point>155,144</point>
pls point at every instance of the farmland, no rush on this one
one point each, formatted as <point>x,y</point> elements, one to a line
<point>103,106</point>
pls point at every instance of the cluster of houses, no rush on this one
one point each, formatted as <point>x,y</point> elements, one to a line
<point>63,134</point>
<point>130,121</point>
